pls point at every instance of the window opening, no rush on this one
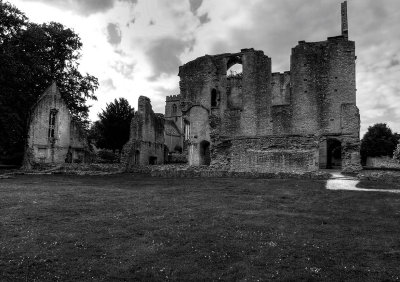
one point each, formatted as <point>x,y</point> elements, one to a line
<point>52,123</point>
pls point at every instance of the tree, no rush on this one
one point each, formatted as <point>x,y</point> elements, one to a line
<point>378,141</point>
<point>113,128</point>
<point>32,56</point>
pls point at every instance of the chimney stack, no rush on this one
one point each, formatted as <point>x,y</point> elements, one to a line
<point>345,26</point>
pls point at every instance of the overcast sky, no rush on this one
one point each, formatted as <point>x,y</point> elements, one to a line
<point>135,47</point>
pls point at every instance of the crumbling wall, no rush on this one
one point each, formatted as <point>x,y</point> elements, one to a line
<point>43,148</point>
<point>322,78</point>
<point>280,88</point>
<point>274,154</point>
<point>258,114</point>
<point>146,141</point>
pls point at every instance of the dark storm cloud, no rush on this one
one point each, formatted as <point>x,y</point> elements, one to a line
<point>195,5</point>
<point>164,55</point>
<point>204,19</point>
<point>393,63</point>
<point>85,7</point>
<point>114,35</point>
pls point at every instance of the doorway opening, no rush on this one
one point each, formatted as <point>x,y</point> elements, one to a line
<point>205,158</point>
<point>152,160</point>
<point>330,154</point>
<point>334,154</point>
<point>136,159</point>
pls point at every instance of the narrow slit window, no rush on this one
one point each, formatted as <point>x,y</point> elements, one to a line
<point>214,98</point>
<point>52,123</point>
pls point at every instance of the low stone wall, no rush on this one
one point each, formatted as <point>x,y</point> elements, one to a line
<point>380,176</point>
<point>184,171</point>
<point>288,154</point>
<point>175,158</point>
<point>382,162</point>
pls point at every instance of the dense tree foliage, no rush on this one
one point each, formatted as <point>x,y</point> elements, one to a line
<point>32,56</point>
<point>112,130</point>
<point>378,141</point>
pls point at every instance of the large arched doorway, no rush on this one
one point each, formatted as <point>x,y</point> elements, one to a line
<point>205,157</point>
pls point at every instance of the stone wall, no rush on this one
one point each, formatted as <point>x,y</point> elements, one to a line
<point>382,162</point>
<point>281,88</point>
<point>317,97</point>
<point>146,143</point>
<point>46,148</point>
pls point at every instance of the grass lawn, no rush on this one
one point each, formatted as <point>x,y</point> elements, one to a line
<point>137,228</point>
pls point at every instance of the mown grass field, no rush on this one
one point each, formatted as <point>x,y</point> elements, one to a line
<point>136,228</point>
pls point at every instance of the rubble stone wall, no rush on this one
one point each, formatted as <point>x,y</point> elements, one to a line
<point>45,149</point>
<point>146,142</point>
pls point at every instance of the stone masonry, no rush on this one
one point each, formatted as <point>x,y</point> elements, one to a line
<point>300,120</point>
<point>146,141</point>
<point>53,134</point>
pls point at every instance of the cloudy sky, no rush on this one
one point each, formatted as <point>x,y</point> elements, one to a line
<point>135,47</point>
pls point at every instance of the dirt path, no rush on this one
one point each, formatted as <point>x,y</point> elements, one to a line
<point>338,181</point>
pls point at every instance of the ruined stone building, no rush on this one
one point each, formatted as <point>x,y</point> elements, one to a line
<point>146,141</point>
<point>300,120</point>
<point>173,123</point>
<point>53,134</point>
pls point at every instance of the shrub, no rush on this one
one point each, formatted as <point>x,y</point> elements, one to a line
<point>107,156</point>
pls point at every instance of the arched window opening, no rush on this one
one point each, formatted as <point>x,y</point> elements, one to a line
<point>174,109</point>
<point>187,130</point>
<point>234,67</point>
<point>235,70</point>
<point>214,98</point>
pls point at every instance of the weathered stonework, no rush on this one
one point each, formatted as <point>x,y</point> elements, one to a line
<point>174,124</point>
<point>54,137</point>
<point>146,142</point>
<point>300,120</point>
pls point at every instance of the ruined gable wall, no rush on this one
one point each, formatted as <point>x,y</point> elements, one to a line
<point>146,136</point>
<point>42,149</point>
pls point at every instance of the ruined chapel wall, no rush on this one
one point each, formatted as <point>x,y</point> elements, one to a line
<point>66,133</point>
<point>147,126</point>
<point>146,138</point>
<point>39,127</point>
